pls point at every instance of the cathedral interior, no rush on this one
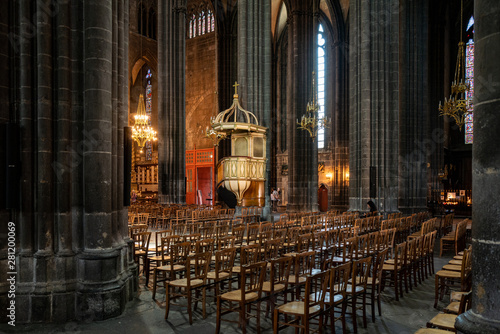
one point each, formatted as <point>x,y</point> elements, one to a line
<point>292,112</point>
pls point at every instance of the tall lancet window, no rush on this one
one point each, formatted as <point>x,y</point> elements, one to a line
<point>149,108</point>
<point>469,76</point>
<point>321,82</point>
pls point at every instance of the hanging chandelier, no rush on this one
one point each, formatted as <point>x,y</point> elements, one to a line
<point>457,105</point>
<point>310,121</point>
<point>142,131</point>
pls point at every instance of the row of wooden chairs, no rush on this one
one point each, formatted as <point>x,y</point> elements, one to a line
<point>454,239</point>
<point>411,262</point>
<point>444,323</point>
<point>454,275</point>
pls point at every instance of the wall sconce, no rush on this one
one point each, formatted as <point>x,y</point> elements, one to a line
<point>347,176</point>
<point>329,176</point>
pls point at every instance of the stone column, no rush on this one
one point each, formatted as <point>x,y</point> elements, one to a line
<point>373,54</point>
<point>72,241</point>
<point>172,100</point>
<point>254,68</point>
<point>302,150</point>
<point>484,317</point>
<point>415,142</point>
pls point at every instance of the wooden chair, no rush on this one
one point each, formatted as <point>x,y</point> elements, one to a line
<point>357,288</point>
<point>248,255</point>
<point>141,248</point>
<point>447,278</point>
<point>195,278</point>
<point>454,240</point>
<point>393,270</point>
<point>446,321</point>
<point>303,265</point>
<point>374,282</point>
<point>171,265</point>
<point>279,272</point>
<point>336,295</point>
<point>223,268</point>
<point>310,305</point>
<point>250,282</point>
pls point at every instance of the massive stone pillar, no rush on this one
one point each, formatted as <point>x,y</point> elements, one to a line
<point>373,124</point>
<point>484,317</point>
<point>172,101</point>
<point>254,69</point>
<point>415,138</point>
<point>69,98</point>
<point>388,104</point>
<point>302,150</point>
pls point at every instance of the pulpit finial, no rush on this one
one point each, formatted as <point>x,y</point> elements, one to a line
<point>236,84</point>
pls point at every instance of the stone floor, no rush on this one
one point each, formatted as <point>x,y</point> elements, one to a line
<point>143,315</point>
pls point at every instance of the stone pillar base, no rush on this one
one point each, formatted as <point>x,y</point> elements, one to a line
<point>471,323</point>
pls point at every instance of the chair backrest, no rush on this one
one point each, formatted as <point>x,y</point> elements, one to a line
<point>205,245</point>
<point>303,264</point>
<point>271,248</point>
<point>304,242</point>
<point>198,267</point>
<point>249,254</point>
<point>238,233</point>
<point>279,271</point>
<point>465,302</point>
<point>252,278</point>
<point>158,236</point>
<point>226,242</point>
<point>279,233</point>
<point>141,240</point>
<point>378,262</point>
<point>399,255</point>
<point>339,277</point>
<point>180,252</point>
<point>315,291</point>
<point>222,231</point>
<point>360,272</point>
<point>224,261</point>
<point>252,232</point>
<point>266,226</point>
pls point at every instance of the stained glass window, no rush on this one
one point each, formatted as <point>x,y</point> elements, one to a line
<point>149,95</point>
<point>211,21</point>
<point>469,76</point>
<point>321,83</point>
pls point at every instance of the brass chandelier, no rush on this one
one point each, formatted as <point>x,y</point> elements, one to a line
<point>456,106</point>
<point>142,131</point>
<point>310,121</point>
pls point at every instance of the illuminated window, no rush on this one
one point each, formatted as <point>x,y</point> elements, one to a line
<point>149,108</point>
<point>211,21</point>
<point>469,76</point>
<point>321,83</point>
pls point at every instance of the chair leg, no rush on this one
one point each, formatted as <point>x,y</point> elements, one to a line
<point>203,306</point>
<point>396,284</point>
<point>167,297</point>
<point>190,312</point>
<point>243,319</point>
<point>217,321</point>
<point>436,291</point>
<point>353,306</point>
<point>364,309</point>
<point>344,309</point>
<point>154,283</point>
<point>258,317</point>
<point>275,321</point>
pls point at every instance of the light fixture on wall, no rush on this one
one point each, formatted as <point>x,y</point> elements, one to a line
<point>212,134</point>
<point>142,132</point>
<point>310,121</point>
<point>456,106</point>
<point>329,175</point>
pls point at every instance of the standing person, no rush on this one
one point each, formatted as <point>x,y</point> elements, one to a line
<point>274,200</point>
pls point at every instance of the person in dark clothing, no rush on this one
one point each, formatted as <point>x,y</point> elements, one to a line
<point>372,206</point>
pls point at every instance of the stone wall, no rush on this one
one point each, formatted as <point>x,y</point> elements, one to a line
<point>200,89</point>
